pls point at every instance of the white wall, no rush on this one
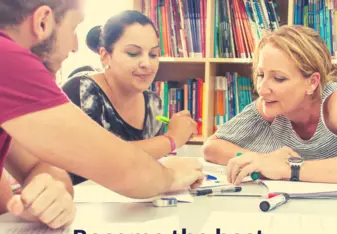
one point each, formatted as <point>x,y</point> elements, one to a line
<point>97,12</point>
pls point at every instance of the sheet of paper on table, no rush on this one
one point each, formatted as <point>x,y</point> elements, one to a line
<point>98,193</point>
<point>301,189</point>
<point>219,171</point>
<point>164,225</point>
<point>268,223</point>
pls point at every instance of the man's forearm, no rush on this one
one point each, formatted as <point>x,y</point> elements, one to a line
<point>157,147</point>
<point>324,171</point>
<point>142,175</point>
<point>66,138</point>
<point>56,173</point>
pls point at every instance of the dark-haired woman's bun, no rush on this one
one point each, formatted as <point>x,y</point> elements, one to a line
<point>93,38</point>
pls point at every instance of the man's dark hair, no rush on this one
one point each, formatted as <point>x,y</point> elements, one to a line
<point>81,69</point>
<point>14,12</point>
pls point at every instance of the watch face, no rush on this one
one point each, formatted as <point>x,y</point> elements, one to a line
<point>295,160</point>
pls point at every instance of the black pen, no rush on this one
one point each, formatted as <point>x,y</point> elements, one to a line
<point>201,192</point>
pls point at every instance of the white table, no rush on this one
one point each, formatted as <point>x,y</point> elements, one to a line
<point>138,212</point>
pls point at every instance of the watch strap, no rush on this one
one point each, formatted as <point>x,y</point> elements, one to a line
<point>295,173</point>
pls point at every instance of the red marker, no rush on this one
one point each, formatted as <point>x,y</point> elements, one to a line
<point>271,195</point>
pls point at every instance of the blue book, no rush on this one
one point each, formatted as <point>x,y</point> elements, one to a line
<point>194,99</point>
<point>189,83</point>
<point>191,13</point>
<point>216,28</point>
<point>179,97</point>
<point>322,20</point>
<point>198,28</point>
<point>295,12</point>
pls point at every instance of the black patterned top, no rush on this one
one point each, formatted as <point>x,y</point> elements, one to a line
<point>84,92</point>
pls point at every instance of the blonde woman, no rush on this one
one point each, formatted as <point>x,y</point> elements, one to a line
<point>289,132</point>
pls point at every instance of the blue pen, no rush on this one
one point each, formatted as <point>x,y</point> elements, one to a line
<point>210,177</point>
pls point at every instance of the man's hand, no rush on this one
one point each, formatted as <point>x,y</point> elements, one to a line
<point>46,200</point>
<point>187,173</point>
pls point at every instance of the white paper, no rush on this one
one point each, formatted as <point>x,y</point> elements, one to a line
<point>268,223</point>
<point>296,187</point>
<point>218,171</point>
<point>231,223</point>
<point>97,193</point>
<point>30,228</point>
<point>164,225</point>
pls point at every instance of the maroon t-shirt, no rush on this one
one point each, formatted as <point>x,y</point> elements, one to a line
<point>26,86</point>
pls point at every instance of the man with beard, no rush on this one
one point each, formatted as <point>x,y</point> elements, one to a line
<point>41,131</point>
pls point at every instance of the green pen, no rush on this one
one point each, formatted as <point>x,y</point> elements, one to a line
<point>254,175</point>
<point>163,119</point>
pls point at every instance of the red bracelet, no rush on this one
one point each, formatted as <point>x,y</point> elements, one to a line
<point>173,143</point>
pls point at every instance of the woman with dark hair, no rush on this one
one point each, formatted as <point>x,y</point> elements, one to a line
<point>118,99</point>
<point>81,70</point>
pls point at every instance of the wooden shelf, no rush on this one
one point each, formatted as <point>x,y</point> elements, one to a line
<point>181,60</point>
<point>180,71</point>
<point>204,60</point>
<point>231,60</point>
<point>198,140</point>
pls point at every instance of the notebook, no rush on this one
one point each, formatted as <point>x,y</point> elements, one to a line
<point>163,225</point>
<point>268,223</point>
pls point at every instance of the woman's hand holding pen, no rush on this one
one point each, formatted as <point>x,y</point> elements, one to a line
<point>272,165</point>
<point>182,127</point>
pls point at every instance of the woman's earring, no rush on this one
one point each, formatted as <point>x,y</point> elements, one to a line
<point>107,67</point>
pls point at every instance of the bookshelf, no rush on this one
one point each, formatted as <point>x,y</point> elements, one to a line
<point>181,69</point>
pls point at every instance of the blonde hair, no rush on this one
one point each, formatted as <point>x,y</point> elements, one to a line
<point>306,48</point>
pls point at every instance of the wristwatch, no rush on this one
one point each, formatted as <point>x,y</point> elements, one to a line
<point>295,165</point>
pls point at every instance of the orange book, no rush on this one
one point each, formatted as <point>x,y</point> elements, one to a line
<point>164,31</point>
<point>183,35</point>
<point>185,96</point>
<point>168,28</point>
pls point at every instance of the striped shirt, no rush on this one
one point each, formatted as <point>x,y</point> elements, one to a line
<point>250,131</point>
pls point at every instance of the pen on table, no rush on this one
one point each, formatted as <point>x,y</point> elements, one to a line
<point>274,202</point>
<point>210,177</point>
<point>201,192</point>
<point>163,119</point>
<point>254,175</point>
